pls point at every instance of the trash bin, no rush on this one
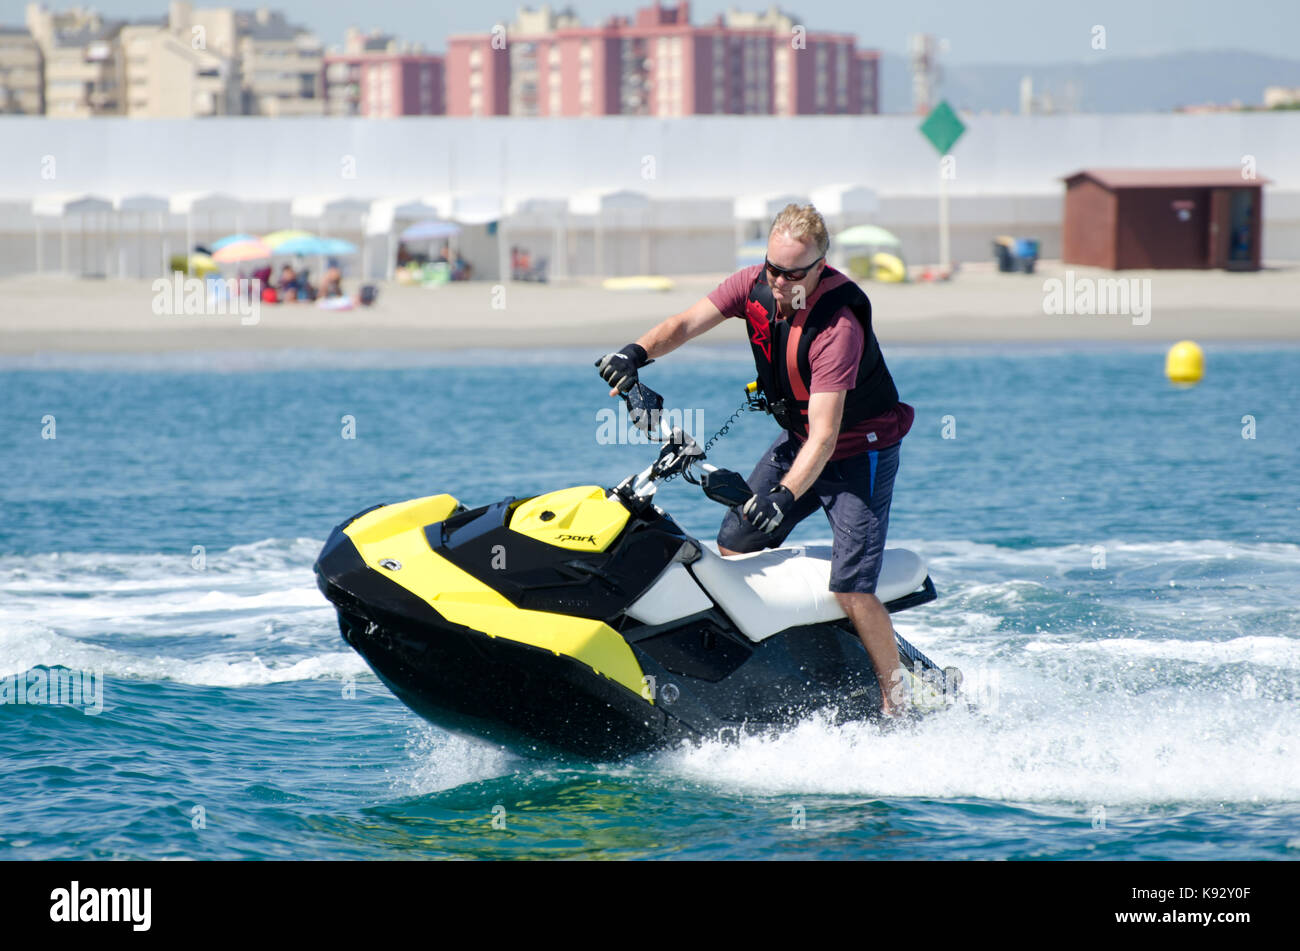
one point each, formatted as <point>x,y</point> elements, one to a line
<point>1002,254</point>
<point>1027,254</point>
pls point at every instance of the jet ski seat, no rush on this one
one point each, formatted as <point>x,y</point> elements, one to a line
<point>769,591</point>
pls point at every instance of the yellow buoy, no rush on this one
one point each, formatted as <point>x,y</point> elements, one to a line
<point>1185,363</point>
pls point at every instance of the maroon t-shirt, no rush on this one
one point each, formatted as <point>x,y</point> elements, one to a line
<point>833,356</point>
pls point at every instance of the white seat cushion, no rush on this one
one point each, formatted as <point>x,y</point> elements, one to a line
<point>768,591</point>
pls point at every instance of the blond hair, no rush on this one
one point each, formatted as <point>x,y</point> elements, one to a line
<point>803,223</point>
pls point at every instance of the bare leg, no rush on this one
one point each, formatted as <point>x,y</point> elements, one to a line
<point>877,634</point>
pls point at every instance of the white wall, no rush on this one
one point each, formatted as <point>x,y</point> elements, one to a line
<point>692,157</point>
<point>1008,168</point>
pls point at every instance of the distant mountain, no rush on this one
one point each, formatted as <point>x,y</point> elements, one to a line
<point>1106,84</point>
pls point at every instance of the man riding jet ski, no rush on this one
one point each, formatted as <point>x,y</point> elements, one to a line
<point>825,381</point>
<point>585,621</point>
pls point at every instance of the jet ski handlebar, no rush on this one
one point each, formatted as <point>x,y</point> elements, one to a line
<point>679,454</point>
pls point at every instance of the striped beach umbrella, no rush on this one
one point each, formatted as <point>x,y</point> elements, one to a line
<point>253,250</point>
<point>231,239</point>
<point>277,238</point>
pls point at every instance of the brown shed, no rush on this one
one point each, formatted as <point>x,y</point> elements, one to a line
<point>1163,218</point>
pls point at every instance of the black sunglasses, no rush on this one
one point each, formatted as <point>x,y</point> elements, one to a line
<point>792,273</point>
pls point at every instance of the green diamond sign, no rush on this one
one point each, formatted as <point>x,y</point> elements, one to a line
<point>942,128</point>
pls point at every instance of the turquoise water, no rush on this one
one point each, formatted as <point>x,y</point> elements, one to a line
<point>1118,569</point>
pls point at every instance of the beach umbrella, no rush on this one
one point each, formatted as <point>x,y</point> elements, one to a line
<point>871,235</point>
<point>430,228</point>
<point>277,238</point>
<point>308,245</point>
<point>332,246</point>
<point>311,246</point>
<point>242,251</point>
<point>303,246</point>
<point>231,239</point>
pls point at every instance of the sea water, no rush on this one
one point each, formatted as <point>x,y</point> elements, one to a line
<point>1117,560</point>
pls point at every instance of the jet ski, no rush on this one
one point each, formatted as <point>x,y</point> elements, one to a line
<point>585,622</point>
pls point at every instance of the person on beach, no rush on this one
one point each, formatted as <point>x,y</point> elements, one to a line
<point>332,283</point>
<point>821,370</point>
<point>288,286</point>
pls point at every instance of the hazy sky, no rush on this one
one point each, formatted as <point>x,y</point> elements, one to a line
<point>993,31</point>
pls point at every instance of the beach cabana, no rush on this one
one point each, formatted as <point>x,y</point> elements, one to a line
<point>620,230</point>
<point>691,234</point>
<point>762,208</point>
<point>633,233</point>
<point>62,206</point>
<point>390,215</point>
<point>210,205</point>
<point>330,212</point>
<point>143,206</point>
<point>430,229</point>
<point>547,217</point>
<point>483,219</point>
<point>754,213</point>
<point>845,205</point>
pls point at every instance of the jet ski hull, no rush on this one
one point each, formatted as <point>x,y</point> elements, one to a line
<point>516,695</point>
<point>617,686</point>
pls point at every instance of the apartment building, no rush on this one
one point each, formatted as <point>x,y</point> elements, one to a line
<point>171,71</point>
<point>83,73</point>
<point>22,74</point>
<point>192,62</point>
<point>532,78</point>
<point>869,76</point>
<point>215,61</point>
<point>478,74</point>
<point>377,76</point>
<point>280,66</point>
<point>814,73</point>
<point>657,63</point>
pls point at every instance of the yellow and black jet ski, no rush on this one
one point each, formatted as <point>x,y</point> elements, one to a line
<point>586,622</point>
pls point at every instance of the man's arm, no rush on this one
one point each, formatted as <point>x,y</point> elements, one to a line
<point>825,410</point>
<point>676,330</point>
<point>663,338</point>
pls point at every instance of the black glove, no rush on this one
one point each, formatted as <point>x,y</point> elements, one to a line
<point>766,513</point>
<point>619,369</point>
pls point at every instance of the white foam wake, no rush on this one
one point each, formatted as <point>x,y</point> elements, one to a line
<point>249,615</point>
<point>1112,751</point>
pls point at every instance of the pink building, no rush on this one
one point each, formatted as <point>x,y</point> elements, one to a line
<point>377,77</point>
<point>869,76</point>
<point>383,85</point>
<point>821,77</point>
<point>658,64</point>
<point>478,76</point>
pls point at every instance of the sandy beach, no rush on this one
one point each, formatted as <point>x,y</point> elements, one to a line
<point>57,314</point>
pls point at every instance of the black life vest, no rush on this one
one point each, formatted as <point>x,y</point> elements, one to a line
<point>786,382</point>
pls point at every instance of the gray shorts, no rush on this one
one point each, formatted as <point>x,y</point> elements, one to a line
<point>855,494</point>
